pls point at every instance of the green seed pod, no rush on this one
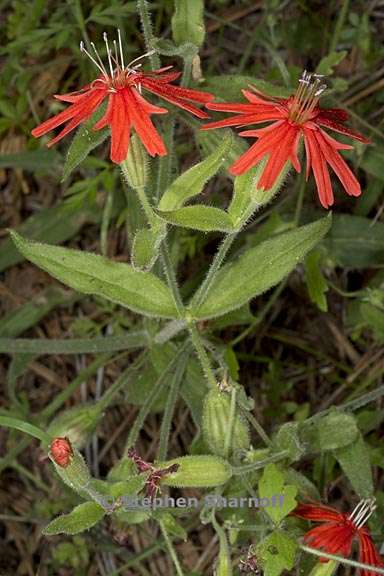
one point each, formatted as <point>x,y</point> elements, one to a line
<point>135,166</point>
<point>197,472</point>
<point>71,466</point>
<point>216,417</point>
<point>77,424</point>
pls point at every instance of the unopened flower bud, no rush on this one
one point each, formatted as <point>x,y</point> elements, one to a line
<point>216,415</point>
<point>197,472</point>
<point>61,452</point>
<point>70,464</point>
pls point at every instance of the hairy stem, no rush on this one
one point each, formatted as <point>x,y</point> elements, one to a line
<point>171,550</point>
<point>145,18</point>
<point>342,560</point>
<point>202,355</point>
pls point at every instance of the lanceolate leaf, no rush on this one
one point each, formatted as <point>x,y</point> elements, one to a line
<point>191,182</point>
<point>93,274</point>
<point>199,217</point>
<point>85,140</point>
<point>259,268</point>
<point>81,518</point>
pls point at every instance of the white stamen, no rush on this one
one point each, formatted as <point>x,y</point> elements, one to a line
<point>362,512</point>
<point>105,38</point>
<point>101,68</point>
<point>129,66</point>
<point>121,49</point>
<point>116,58</point>
<point>99,59</point>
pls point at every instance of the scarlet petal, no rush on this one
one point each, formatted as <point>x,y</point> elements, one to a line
<point>138,111</point>
<point>79,112</point>
<point>120,123</point>
<point>318,513</point>
<point>279,155</point>
<point>340,167</point>
<point>178,96</point>
<point>244,119</point>
<point>368,553</point>
<point>319,167</point>
<point>332,537</point>
<point>324,120</point>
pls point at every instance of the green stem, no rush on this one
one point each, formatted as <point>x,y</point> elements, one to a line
<point>148,210</point>
<point>202,292</point>
<point>106,218</point>
<point>259,429</point>
<point>151,398</point>
<point>143,10</point>
<point>342,560</point>
<point>171,550</point>
<point>238,470</point>
<point>25,427</point>
<point>170,407</point>
<point>202,356</point>
<point>300,199</point>
<point>171,278</point>
<point>339,25</point>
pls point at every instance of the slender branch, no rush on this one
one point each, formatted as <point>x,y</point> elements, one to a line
<point>342,560</point>
<point>145,18</point>
<point>171,549</point>
<point>202,355</point>
<point>202,292</point>
<point>339,25</point>
<point>260,463</point>
<point>171,278</point>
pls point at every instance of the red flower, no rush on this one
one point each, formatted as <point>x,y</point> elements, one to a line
<point>293,118</point>
<point>127,108</point>
<point>61,451</point>
<point>338,531</point>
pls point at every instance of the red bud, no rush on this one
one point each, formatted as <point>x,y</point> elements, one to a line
<point>61,451</point>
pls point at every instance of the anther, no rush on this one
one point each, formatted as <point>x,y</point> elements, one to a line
<point>105,38</point>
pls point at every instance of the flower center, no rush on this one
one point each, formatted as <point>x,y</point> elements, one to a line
<point>115,74</point>
<point>306,97</point>
<point>362,512</point>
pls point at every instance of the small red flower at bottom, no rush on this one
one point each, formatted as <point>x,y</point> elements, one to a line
<point>61,451</point>
<point>339,530</point>
<point>126,108</point>
<point>293,118</point>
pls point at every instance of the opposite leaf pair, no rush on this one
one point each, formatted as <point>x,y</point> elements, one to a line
<point>293,118</point>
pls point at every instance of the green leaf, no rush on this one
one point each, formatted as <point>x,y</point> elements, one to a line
<point>188,22</point>
<point>276,553</point>
<point>85,140</point>
<point>145,249</point>
<point>354,460</point>
<point>53,225</point>
<point>372,161</point>
<point>89,273</point>
<point>35,160</point>
<point>324,569</point>
<point>329,62</point>
<point>81,518</point>
<point>173,527</point>
<point>259,268</point>
<point>316,283</point>
<point>211,140</point>
<point>356,242</point>
<point>287,438</point>
<point>336,430</point>
<point>272,484</point>
<point>199,217</point>
<point>192,181</point>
